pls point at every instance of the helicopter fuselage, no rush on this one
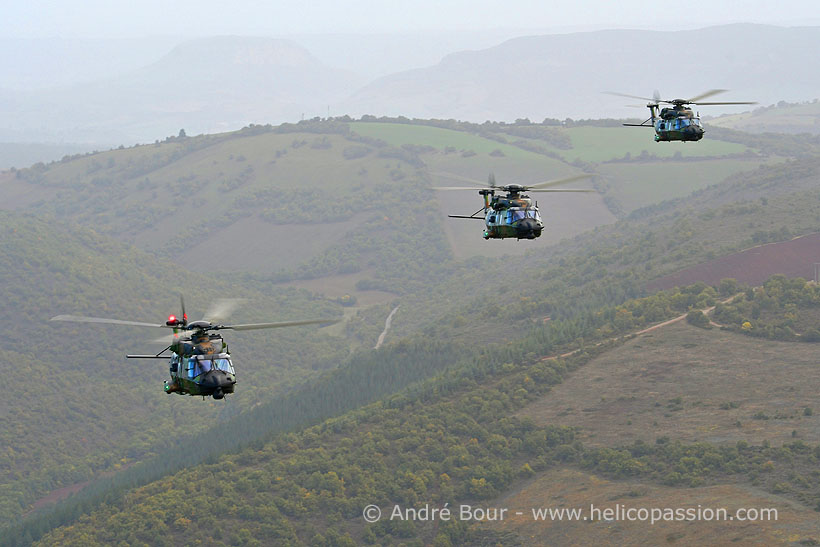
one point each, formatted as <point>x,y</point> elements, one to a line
<point>677,124</point>
<point>201,374</point>
<point>201,367</point>
<point>512,216</point>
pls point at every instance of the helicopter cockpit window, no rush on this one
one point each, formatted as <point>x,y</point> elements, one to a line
<point>517,214</point>
<point>200,364</point>
<point>532,213</point>
<point>223,363</point>
<point>684,122</point>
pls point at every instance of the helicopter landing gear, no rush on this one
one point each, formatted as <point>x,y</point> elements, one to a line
<point>219,394</point>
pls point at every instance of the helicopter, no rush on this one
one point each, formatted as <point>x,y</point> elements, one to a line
<point>512,215</point>
<point>199,360</point>
<point>678,122</point>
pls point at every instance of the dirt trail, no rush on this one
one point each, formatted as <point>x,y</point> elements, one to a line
<point>386,328</point>
<point>706,311</point>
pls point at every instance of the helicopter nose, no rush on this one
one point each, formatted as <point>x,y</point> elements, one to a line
<point>220,381</point>
<point>226,381</point>
<point>693,132</point>
<point>528,229</point>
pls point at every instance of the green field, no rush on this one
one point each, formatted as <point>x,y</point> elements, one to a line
<point>397,134</point>
<point>636,185</point>
<point>604,143</point>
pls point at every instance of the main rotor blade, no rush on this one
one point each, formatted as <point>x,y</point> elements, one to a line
<point>561,190</point>
<point>221,309</point>
<point>253,326</point>
<point>82,319</point>
<point>631,96</point>
<point>459,177</point>
<point>171,338</point>
<point>735,102</point>
<point>705,94</point>
<point>558,182</point>
<point>453,188</point>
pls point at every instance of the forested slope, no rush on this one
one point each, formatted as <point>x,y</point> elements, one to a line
<point>452,439</point>
<point>87,410</point>
<point>79,407</point>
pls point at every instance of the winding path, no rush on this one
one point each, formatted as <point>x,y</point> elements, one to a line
<point>386,328</point>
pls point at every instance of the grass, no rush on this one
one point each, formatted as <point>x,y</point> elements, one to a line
<point>636,185</point>
<point>397,134</point>
<point>598,144</point>
<point>571,489</point>
<point>678,380</point>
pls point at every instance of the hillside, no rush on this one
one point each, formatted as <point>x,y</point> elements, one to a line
<point>465,326</point>
<point>24,154</point>
<point>82,408</point>
<point>783,117</point>
<point>793,258</point>
<point>692,385</point>
<point>185,196</point>
<point>461,438</point>
<point>355,172</point>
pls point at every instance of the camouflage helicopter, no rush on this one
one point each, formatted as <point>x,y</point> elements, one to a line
<point>199,360</point>
<point>678,122</point>
<point>512,215</point>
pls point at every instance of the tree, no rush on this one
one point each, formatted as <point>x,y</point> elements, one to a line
<point>698,319</point>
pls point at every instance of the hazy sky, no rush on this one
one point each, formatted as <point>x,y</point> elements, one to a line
<point>188,18</point>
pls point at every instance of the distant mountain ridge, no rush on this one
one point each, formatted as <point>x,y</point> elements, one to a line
<point>563,75</point>
<point>205,86</point>
<point>222,83</point>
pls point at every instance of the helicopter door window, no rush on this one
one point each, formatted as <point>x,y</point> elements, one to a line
<point>491,218</point>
